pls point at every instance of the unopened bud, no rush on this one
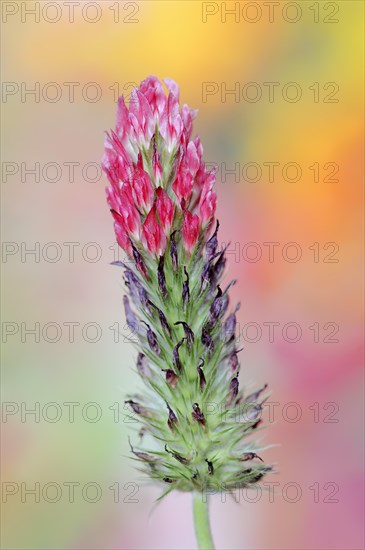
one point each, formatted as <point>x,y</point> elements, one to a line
<point>233,390</point>
<point>177,456</point>
<point>172,420</point>
<point>207,341</point>
<point>171,377</point>
<point>210,467</point>
<point>137,408</point>
<point>152,339</point>
<point>249,456</point>
<point>188,333</point>
<point>161,277</point>
<point>176,357</point>
<point>163,320</point>
<point>254,396</point>
<point>198,415</point>
<point>202,380</point>
<point>142,366</point>
<point>185,289</point>
<point>212,244</point>
<point>173,251</point>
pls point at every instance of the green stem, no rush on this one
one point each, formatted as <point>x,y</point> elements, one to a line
<point>201,522</point>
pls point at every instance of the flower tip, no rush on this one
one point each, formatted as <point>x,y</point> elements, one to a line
<point>173,87</point>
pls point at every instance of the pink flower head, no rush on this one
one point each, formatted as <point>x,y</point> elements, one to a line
<point>158,180</point>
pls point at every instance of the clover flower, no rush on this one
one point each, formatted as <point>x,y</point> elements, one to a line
<point>195,419</point>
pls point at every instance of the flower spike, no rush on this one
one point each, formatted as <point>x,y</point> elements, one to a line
<point>163,204</point>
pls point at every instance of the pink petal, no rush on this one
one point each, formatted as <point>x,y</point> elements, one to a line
<point>153,234</point>
<point>190,230</point>
<point>164,209</point>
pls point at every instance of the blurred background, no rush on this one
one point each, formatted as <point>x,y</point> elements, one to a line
<point>288,143</point>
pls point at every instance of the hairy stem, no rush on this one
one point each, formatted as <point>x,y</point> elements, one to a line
<point>201,522</point>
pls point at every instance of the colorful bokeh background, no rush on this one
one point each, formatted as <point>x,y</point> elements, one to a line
<point>317,381</point>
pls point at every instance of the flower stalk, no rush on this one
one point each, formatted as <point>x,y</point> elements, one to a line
<point>195,418</point>
<point>201,522</point>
